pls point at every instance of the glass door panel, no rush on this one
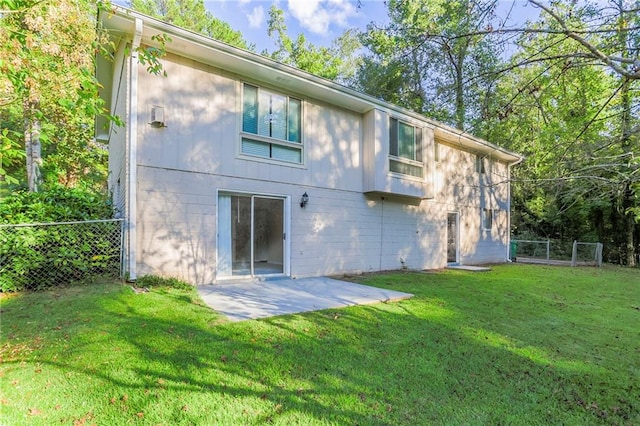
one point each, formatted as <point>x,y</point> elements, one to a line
<point>268,236</point>
<point>241,234</point>
<point>250,235</point>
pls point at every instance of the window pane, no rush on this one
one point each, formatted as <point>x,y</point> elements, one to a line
<point>278,117</point>
<point>251,147</point>
<point>294,120</point>
<point>264,113</point>
<point>274,116</point>
<point>406,169</point>
<point>285,153</point>
<point>418,144</point>
<point>393,137</point>
<point>406,143</point>
<point>250,109</point>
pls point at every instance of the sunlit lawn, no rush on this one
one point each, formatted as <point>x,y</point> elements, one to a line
<point>517,345</point>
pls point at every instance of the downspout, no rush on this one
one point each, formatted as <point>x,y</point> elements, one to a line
<point>509,166</point>
<point>132,120</point>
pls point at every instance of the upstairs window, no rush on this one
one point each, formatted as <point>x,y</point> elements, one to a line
<point>405,148</point>
<point>271,125</point>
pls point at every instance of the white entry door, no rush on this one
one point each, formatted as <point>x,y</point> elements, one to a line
<point>251,235</point>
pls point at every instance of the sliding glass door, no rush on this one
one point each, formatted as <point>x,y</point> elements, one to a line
<point>250,235</point>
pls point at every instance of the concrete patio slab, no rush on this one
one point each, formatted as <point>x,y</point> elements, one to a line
<point>243,300</point>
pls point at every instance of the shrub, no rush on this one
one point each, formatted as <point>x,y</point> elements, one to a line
<point>150,281</point>
<point>37,257</point>
<point>55,204</point>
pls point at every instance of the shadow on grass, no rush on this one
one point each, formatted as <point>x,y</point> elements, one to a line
<point>427,360</point>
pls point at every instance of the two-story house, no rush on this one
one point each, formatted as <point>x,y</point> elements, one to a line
<point>234,166</point>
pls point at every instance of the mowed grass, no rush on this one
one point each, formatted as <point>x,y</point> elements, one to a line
<point>516,345</point>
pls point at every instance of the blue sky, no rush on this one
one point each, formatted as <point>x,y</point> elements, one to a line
<point>321,21</point>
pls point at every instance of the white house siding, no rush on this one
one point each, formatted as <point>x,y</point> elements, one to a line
<point>464,190</point>
<point>118,160</point>
<point>176,224</point>
<point>118,179</point>
<point>183,166</point>
<point>376,159</point>
<point>337,232</point>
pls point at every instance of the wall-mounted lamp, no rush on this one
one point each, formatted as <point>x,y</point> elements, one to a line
<point>304,200</point>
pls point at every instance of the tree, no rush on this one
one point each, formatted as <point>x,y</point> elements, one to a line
<point>49,92</point>
<point>569,97</point>
<point>192,15</point>
<point>542,115</point>
<point>332,63</point>
<point>419,59</point>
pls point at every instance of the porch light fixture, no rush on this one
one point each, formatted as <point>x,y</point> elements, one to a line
<point>304,200</point>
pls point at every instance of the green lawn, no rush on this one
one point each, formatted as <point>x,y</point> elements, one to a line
<point>517,345</point>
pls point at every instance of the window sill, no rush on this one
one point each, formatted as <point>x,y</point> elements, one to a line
<point>271,161</point>
<point>268,139</point>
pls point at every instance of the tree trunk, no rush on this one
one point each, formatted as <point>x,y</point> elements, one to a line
<point>32,145</point>
<point>460,107</point>
<point>628,222</point>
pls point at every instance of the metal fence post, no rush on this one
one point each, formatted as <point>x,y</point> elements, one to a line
<point>599,247</point>
<point>548,250</point>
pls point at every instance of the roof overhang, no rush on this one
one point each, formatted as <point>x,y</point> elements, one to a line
<point>120,22</point>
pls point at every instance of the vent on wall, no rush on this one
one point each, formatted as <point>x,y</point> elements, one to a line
<point>157,116</point>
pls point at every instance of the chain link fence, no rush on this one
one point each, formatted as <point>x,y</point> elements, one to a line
<point>41,255</point>
<point>556,252</point>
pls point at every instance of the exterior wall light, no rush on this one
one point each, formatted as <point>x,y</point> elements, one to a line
<point>304,200</point>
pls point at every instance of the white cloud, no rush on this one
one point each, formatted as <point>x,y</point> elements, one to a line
<point>256,17</point>
<point>317,15</point>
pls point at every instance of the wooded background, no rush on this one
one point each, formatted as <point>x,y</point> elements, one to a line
<point>562,90</point>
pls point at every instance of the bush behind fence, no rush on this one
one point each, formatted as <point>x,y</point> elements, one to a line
<point>37,256</point>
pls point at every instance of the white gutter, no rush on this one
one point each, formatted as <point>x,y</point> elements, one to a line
<point>132,120</point>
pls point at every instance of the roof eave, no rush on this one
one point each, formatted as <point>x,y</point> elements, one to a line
<point>121,21</point>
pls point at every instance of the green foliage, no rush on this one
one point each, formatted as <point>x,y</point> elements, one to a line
<point>192,15</point>
<point>566,98</point>
<point>49,93</point>
<point>534,345</point>
<point>153,281</point>
<point>565,115</point>
<point>37,257</point>
<point>56,204</point>
<point>332,63</point>
<point>431,59</point>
